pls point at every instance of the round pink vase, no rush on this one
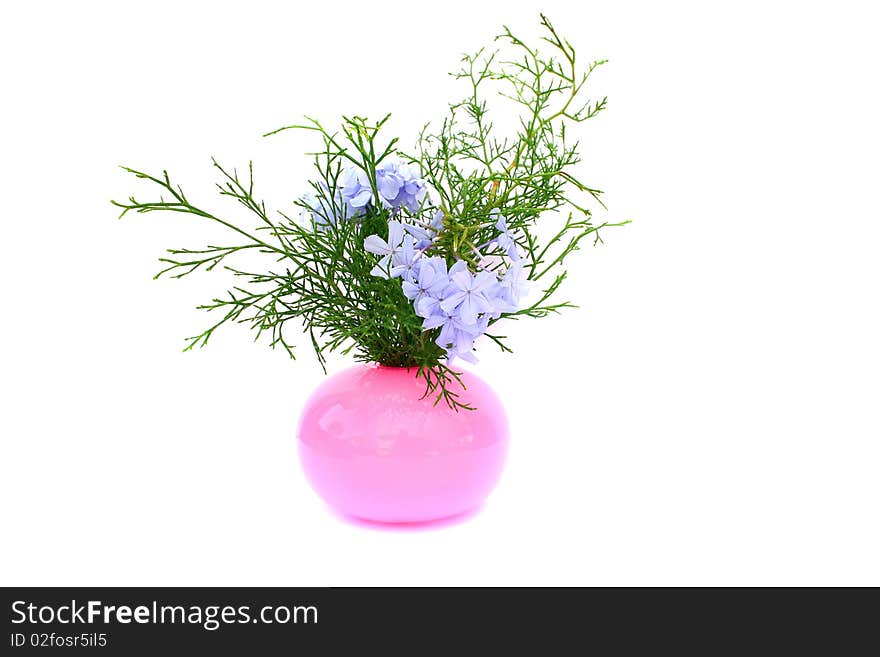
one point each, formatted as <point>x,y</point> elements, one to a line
<point>372,448</point>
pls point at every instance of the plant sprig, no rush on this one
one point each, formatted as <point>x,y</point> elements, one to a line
<point>322,277</point>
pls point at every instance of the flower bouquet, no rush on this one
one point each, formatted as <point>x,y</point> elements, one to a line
<point>409,260</point>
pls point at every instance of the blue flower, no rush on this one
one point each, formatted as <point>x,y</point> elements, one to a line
<point>431,280</point>
<point>403,262</point>
<point>505,239</point>
<point>499,299</point>
<point>456,336</point>
<point>400,185</point>
<point>385,248</point>
<point>430,304</point>
<point>469,299</point>
<point>320,210</point>
<point>425,234</point>
<point>514,281</point>
<point>356,190</point>
<point>504,296</point>
<point>465,353</point>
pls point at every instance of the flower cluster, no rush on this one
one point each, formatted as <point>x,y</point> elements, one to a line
<point>458,301</point>
<point>398,184</point>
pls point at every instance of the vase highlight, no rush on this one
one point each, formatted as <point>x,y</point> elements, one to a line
<point>374,447</point>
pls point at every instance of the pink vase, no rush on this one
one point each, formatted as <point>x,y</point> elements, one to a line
<point>373,448</point>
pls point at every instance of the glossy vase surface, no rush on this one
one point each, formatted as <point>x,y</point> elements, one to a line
<point>374,448</point>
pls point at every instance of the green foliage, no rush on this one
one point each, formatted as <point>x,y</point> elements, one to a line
<point>322,277</point>
<point>526,176</point>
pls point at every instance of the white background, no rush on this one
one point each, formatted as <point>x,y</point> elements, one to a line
<point>708,416</point>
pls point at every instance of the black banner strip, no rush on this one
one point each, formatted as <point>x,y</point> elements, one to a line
<point>131,621</point>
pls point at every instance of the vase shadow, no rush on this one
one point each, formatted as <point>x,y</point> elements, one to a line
<point>420,526</point>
